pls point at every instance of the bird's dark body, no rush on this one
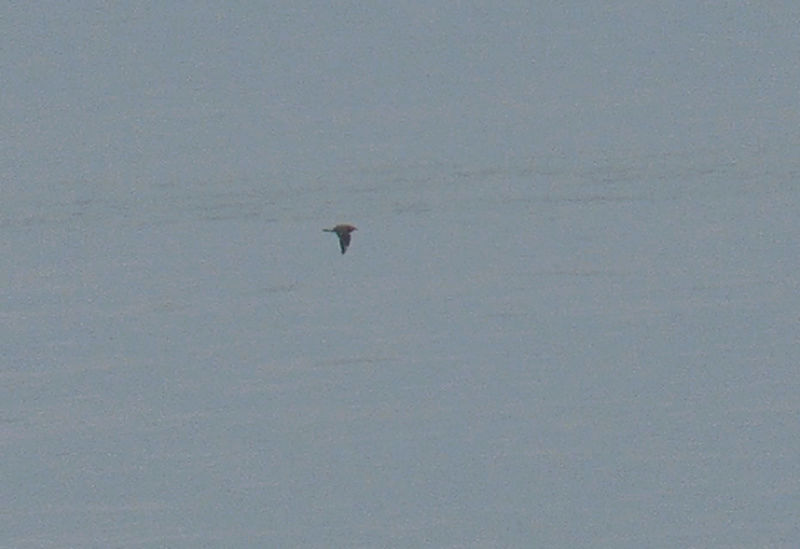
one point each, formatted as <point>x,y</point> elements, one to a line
<point>343,232</point>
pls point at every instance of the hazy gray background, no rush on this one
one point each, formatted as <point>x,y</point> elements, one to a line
<point>569,317</point>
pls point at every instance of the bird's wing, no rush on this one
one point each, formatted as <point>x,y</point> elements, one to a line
<point>344,241</point>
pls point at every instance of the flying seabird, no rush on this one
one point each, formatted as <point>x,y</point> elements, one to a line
<point>343,232</point>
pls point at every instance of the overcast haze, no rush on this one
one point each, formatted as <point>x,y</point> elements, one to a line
<point>569,317</point>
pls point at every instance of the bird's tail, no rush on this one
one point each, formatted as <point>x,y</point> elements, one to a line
<point>328,230</point>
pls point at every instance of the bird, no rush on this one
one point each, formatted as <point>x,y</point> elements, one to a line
<point>343,232</point>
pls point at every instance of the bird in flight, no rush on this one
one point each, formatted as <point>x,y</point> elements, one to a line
<point>343,232</point>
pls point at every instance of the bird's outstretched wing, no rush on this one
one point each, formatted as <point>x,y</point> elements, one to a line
<point>344,241</point>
